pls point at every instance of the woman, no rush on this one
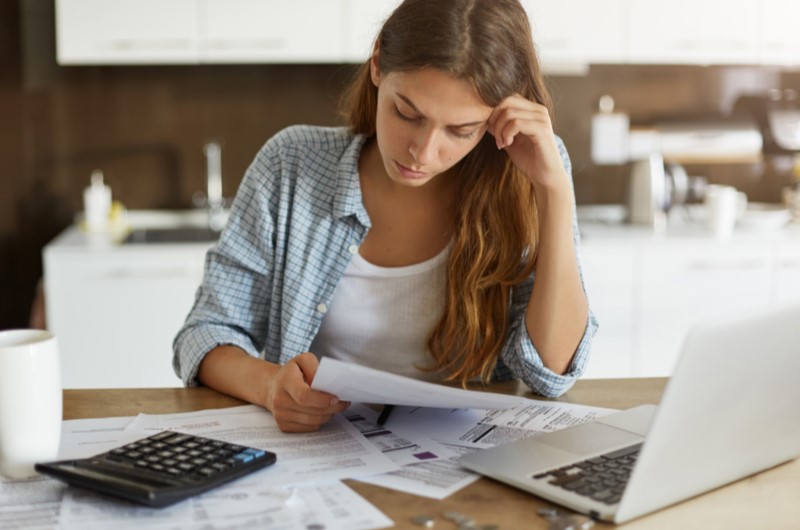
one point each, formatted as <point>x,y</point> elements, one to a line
<point>408,241</point>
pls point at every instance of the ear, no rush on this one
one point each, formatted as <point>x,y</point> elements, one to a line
<point>374,70</point>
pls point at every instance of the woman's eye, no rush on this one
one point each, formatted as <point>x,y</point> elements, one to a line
<point>464,135</point>
<point>403,116</point>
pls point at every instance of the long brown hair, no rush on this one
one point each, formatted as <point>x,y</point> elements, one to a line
<point>489,44</point>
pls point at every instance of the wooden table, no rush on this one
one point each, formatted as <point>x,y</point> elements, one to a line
<point>769,500</point>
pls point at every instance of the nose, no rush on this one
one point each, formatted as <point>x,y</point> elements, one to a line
<point>425,147</point>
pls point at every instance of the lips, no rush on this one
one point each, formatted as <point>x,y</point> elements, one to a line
<point>408,172</point>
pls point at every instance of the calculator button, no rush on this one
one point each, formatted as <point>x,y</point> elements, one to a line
<point>162,435</point>
<point>243,457</point>
<point>257,453</point>
<point>179,439</point>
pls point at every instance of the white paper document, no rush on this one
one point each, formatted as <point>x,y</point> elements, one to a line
<point>235,506</point>
<point>359,384</point>
<point>336,451</point>
<point>35,503</point>
<point>460,431</point>
<point>400,450</point>
<point>43,503</point>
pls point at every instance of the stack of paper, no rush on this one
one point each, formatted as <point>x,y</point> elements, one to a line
<point>416,451</point>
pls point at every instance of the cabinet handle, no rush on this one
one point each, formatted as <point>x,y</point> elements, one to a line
<point>750,264</point>
<point>555,44</point>
<point>151,45</point>
<point>136,274</point>
<point>247,44</point>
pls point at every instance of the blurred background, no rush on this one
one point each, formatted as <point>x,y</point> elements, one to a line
<point>142,112</point>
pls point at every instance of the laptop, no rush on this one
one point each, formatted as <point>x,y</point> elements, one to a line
<point>730,409</point>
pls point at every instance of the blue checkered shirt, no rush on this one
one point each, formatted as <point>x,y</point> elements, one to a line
<point>297,218</point>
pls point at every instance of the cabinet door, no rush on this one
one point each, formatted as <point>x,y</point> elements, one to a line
<point>786,274</point>
<point>609,273</point>
<point>362,19</point>
<point>780,37</point>
<point>694,31</point>
<point>116,315</point>
<point>126,31</point>
<point>683,283</point>
<point>277,31</point>
<point>578,31</point>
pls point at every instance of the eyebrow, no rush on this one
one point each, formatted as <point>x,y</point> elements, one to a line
<point>459,126</point>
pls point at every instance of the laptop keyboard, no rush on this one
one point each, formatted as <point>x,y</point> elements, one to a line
<point>602,478</point>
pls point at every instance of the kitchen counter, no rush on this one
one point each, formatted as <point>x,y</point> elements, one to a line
<point>680,227</point>
<point>649,288</point>
<point>76,237</point>
<point>116,307</point>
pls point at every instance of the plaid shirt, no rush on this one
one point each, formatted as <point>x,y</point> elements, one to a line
<point>297,219</point>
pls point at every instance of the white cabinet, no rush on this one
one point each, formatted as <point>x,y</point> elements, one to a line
<point>683,283</point>
<point>609,274</point>
<point>116,310</point>
<point>780,37</point>
<point>126,31</point>
<point>647,291</point>
<point>362,19</point>
<point>578,31</point>
<point>567,33</point>
<point>694,31</point>
<point>270,31</point>
<point>786,274</point>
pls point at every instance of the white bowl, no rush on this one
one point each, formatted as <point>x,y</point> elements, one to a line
<point>764,217</point>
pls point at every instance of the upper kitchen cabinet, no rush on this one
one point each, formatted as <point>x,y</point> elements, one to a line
<point>270,31</point>
<point>694,32</point>
<point>578,32</point>
<point>362,19</point>
<point>780,38</point>
<point>126,31</point>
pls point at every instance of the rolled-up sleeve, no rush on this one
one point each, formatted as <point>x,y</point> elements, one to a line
<point>231,304</point>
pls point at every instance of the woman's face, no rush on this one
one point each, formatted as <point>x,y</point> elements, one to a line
<point>427,122</point>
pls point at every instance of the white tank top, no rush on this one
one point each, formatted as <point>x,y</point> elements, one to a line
<point>381,317</point>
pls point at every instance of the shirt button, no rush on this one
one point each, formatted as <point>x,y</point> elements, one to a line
<point>353,249</point>
<point>322,308</point>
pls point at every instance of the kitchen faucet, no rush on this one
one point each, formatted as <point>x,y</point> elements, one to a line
<point>214,199</point>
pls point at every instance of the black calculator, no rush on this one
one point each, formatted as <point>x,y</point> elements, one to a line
<point>161,469</point>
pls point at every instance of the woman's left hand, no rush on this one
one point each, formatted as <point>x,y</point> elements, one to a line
<point>523,128</point>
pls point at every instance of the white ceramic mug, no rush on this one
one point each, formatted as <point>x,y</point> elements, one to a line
<point>30,400</point>
<point>724,205</point>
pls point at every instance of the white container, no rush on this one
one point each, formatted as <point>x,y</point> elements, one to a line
<point>96,203</point>
<point>30,400</point>
<point>722,204</point>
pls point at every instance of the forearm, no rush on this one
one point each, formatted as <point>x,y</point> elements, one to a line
<point>557,310</point>
<point>232,371</point>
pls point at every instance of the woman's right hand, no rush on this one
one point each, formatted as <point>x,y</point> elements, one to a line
<point>294,404</point>
<point>284,390</point>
